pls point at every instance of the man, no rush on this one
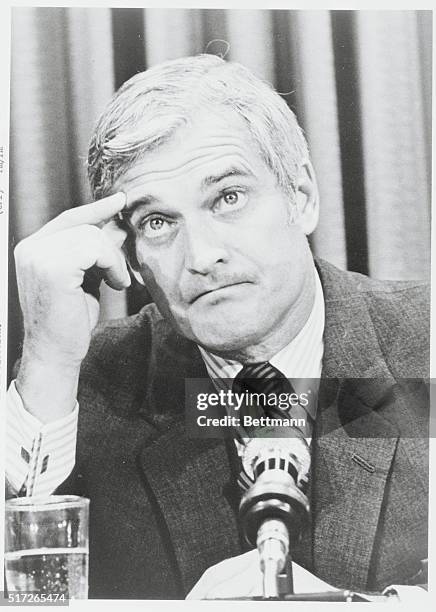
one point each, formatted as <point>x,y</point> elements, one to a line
<point>202,173</point>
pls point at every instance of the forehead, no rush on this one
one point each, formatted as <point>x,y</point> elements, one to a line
<point>208,145</point>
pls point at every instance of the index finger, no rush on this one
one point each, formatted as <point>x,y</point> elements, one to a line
<point>94,213</point>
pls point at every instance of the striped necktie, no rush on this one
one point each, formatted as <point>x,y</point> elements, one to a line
<point>266,381</point>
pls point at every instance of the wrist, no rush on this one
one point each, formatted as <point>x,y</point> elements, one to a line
<point>48,388</point>
<point>49,352</point>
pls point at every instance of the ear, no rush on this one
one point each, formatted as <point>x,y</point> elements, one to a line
<point>307,199</point>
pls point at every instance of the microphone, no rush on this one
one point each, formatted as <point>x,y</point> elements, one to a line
<point>274,509</point>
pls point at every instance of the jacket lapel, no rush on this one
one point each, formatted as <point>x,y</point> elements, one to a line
<point>354,445</point>
<point>351,467</point>
<point>193,481</point>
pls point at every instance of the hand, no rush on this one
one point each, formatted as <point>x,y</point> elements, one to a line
<point>241,577</point>
<point>58,315</point>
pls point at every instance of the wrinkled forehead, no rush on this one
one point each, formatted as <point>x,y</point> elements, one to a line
<point>207,145</point>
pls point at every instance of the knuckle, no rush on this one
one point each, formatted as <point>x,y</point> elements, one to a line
<point>33,261</point>
<point>23,251</point>
<point>92,232</point>
<point>18,250</point>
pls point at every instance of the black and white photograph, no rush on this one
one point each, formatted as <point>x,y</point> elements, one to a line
<point>216,355</point>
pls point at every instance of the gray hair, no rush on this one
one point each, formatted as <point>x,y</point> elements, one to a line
<point>148,109</point>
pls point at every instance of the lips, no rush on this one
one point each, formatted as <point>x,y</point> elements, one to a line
<point>215,289</point>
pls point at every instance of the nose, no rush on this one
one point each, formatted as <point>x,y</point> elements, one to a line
<point>203,249</point>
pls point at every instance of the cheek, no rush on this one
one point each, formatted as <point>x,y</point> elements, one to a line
<point>160,272</point>
<point>274,248</point>
<point>267,233</point>
<point>153,271</point>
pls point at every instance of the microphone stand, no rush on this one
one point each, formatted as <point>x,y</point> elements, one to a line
<point>273,547</point>
<point>272,512</point>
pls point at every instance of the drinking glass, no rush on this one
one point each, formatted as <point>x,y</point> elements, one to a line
<point>46,545</point>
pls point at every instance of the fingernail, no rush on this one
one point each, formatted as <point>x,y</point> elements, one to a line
<point>121,193</point>
<point>120,197</point>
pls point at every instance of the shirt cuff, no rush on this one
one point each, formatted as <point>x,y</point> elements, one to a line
<point>39,456</point>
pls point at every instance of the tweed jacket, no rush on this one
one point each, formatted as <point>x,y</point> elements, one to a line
<point>164,506</point>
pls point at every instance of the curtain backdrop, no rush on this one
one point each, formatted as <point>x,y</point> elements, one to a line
<point>359,82</point>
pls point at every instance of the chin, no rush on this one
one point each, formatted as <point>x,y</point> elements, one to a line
<point>225,338</point>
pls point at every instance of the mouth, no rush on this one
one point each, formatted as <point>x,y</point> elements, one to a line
<point>217,290</point>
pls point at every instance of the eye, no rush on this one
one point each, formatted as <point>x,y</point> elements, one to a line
<point>156,224</point>
<point>231,200</point>
<point>155,227</point>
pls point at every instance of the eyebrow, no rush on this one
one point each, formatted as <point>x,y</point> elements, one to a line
<point>213,179</point>
<point>141,201</point>
<point>206,182</point>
